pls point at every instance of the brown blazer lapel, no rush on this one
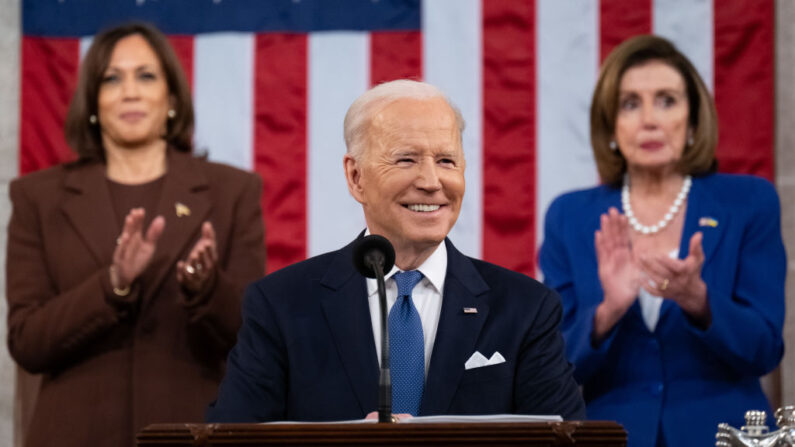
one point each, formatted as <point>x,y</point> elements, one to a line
<point>185,204</point>
<point>89,208</point>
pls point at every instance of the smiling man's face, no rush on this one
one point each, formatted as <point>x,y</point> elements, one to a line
<point>410,178</point>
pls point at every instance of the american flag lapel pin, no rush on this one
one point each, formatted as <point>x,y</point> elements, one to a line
<point>707,222</point>
<point>470,310</point>
<point>181,209</point>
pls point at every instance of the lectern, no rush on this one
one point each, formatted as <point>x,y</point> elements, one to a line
<point>573,433</point>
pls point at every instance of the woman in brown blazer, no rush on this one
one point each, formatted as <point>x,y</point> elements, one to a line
<point>125,269</point>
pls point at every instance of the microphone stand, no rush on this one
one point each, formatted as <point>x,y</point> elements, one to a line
<point>373,256</point>
<point>385,378</point>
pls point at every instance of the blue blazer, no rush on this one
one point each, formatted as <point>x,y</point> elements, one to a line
<point>306,352</point>
<point>679,378</point>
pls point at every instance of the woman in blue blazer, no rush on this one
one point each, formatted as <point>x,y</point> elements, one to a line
<point>672,276</point>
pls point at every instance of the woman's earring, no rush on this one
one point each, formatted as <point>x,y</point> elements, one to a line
<point>690,140</point>
<point>613,145</point>
<point>172,113</point>
<point>92,119</point>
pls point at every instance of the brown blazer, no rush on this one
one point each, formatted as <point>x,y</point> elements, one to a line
<point>112,366</point>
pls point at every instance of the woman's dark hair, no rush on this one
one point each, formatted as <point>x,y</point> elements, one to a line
<point>698,157</point>
<point>83,136</point>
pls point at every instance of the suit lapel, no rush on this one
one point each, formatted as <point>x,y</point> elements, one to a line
<point>184,203</point>
<point>704,215</point>
<point>89,208</point>
<point>347,312</point>
<point>457,332</point>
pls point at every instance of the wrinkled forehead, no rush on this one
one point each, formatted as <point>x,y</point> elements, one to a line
<point>410,119</point>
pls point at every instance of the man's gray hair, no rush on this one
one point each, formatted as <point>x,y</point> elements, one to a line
<point>361,112</point>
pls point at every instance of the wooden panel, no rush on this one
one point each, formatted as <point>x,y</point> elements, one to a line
<point>589,433</point>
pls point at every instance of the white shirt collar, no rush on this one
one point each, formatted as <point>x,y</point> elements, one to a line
<point>434,270</point>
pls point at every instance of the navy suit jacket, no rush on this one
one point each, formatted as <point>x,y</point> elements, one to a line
<point>306,352</point>
<point>680,378</point>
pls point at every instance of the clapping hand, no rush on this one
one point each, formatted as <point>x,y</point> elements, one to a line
<point>134,249</point>
<point>680,279</point>
<point>619,272</point>
<point>195,272</point>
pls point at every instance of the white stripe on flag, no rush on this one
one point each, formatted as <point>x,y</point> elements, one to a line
<point>568,61</point>
<point>85,44</point>
<point>224,96</point>
<point>689,25</point>
<point>452,60</point>
<point>339,71</point>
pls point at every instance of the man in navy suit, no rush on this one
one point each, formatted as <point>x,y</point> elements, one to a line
<point>469,337</point>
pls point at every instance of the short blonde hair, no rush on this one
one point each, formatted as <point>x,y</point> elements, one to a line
<point>699,157</point>
<point>361,112</point>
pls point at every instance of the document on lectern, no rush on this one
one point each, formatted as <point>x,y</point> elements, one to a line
<point>446,419</point>
<point>483,418</point>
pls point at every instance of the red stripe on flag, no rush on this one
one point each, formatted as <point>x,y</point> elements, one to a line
<point>49,76</point>
<point>620,19</point>
<point>183,46</point>
<point>509,134</point>
<point>395,55</point>
<point>744,86</point>
<point>280,126</point>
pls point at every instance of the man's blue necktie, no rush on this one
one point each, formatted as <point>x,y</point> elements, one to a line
<point>407,347</point>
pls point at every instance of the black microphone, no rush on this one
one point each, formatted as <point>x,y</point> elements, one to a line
<point>372,252</point>
<point>374,257</point>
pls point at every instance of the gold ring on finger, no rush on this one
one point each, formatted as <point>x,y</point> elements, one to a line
<point>664,284</point>
<point>190,269</point>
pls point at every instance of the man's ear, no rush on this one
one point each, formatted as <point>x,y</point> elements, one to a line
<point>353,175</point>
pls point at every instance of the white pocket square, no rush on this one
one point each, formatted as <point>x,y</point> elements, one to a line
<point>478,360</point>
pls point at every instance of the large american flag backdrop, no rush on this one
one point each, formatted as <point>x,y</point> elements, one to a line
<point>272,80</point>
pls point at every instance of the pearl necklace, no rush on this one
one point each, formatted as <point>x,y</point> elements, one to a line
<point>669,216</point>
